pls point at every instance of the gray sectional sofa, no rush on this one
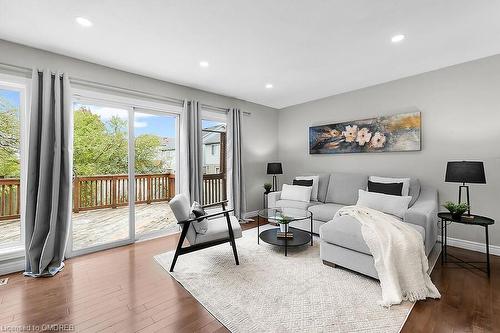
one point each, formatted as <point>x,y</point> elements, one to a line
<point>342,243</point>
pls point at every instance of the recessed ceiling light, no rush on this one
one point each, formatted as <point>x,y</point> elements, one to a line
<point>203,63</point>
<point>269,86</point>
<point>83,22</point>
<point>397,38</point>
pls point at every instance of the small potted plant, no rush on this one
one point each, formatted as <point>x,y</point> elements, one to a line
<point>456,210</point>
<point>283,222</point>
<point>268,187</point>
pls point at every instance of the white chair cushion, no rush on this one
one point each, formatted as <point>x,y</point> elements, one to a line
<point>217,229</point>
<point>182,211</point>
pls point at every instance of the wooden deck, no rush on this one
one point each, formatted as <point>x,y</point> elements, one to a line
<point>102,226</point>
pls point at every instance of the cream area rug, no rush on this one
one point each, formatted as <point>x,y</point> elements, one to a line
<point>269,292</point>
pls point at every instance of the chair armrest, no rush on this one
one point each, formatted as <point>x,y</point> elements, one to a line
<point>207,216</point>
<point>272,197</point>
<point>215,204</point>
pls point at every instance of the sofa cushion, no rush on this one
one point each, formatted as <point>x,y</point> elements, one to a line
<point>389,180</point>
<point>345,231</point>
<point>304,181</point>
<point>296,204</point>
<point>414,190</point>
<point>296,192</point>
<point>343,187</point>
<point>324,212</point>
<point>324,178</point>
<point>385,188</point>
<point>390,204</point>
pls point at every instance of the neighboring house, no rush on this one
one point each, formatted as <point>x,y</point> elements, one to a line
<point>167,153</point>
<point>211,148</point>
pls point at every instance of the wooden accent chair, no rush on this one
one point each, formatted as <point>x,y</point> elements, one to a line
<point>221,229</point>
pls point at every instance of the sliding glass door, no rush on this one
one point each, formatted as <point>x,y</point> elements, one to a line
<point>101,205</point>
<point>155,137</point>
<point>12,103</point>
<point>124,172</point>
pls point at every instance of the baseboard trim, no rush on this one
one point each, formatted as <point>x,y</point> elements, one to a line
<point>251,214</point>
<point>12,266</point>
<point>473,246</point>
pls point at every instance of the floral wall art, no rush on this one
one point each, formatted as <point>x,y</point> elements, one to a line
<point>400,132</point>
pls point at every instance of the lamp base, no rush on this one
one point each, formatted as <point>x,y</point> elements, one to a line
<point>275,183</point>
<point>460,196</point>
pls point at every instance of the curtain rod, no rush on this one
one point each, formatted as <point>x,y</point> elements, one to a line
<point>25,71</point>
<point>219,109</point>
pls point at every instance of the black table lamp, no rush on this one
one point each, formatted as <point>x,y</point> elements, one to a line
<point>274,169</point>
<point>465,172</point>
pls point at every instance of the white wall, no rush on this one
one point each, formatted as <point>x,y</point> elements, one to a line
<point>460,108</point>
<point>259,129</point>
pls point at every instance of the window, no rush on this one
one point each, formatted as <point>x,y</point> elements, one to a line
<point>214,160</point>
<point>13,94</point>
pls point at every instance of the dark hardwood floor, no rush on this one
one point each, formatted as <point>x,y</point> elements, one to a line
<point>470,302</point>
<point>124,290</point>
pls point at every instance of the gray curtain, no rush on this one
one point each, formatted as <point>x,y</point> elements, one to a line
<point>49,174</point>
<point>194,151</point>
<point>235,163</point>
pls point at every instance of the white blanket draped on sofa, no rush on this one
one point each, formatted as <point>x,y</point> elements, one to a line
<point>399,255</point>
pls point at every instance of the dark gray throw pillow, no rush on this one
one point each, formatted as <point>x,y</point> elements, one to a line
<point>303,182</point>
<point>386,188</point>
<point>200,226</point>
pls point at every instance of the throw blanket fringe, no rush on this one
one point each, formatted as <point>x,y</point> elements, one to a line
<point>399,255</point>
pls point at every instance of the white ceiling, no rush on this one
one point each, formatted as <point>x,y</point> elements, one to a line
<point>307,49</point>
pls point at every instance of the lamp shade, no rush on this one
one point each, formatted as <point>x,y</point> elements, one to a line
<point>465,172</point>
<point>274,169</point>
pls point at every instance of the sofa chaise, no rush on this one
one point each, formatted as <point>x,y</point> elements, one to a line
<point>342,243</point>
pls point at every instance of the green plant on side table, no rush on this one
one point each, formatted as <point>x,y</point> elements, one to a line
<point>456,209</point>
<point>268,187</point>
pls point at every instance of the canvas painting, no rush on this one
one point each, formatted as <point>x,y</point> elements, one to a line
<point>400,132</point>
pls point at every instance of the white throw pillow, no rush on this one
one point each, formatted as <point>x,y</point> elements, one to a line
<point>387,180</point>
<point>389,204</point>
<point>315,187</point>
<point>296,193</point>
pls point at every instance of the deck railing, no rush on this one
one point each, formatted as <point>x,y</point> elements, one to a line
<point>214,188</point>
<point>111,191</point>
<point>9,198</point>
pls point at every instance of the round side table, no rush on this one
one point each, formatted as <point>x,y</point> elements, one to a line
<point>476,220</point>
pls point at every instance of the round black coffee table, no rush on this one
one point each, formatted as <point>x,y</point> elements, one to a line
<point>283,216</point>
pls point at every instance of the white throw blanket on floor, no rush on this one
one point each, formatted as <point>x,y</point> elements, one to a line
<point>399,254</point>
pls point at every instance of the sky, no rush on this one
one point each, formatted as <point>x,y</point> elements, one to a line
<point>11,96</point>
<point>144,123</point>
